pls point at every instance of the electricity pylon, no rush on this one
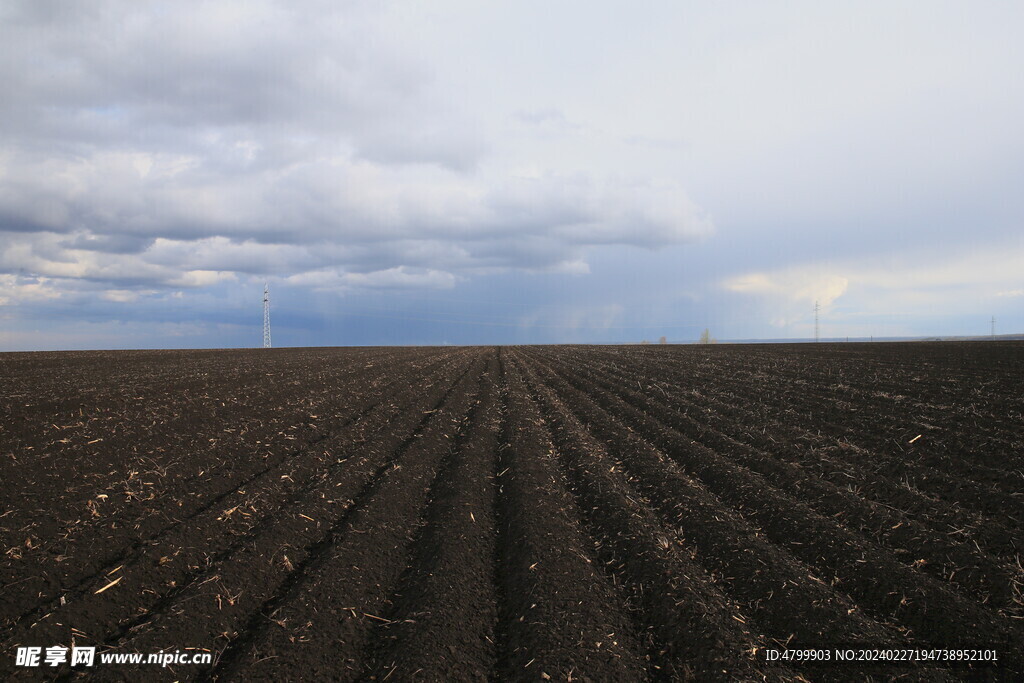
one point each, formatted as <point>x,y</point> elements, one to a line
<point>816,335</point>
<point>266,316</point>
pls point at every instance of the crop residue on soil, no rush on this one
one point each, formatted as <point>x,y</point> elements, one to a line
<point>514,513</point>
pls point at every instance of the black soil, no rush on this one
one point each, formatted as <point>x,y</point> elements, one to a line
<point>516,513</point>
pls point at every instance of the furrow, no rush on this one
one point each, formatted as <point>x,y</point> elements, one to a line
<point>788,601</point>
<point>441,625</point>
<point>695,632</point>
<point>167,599</point>
<point>911,598</point>
<point>256,496</point>
<point>969,569</point>
<point>561,617</point>
<point>324,611</point>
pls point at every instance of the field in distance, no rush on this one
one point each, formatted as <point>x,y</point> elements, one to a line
<point>514,513</point>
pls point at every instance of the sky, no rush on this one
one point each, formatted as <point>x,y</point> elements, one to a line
<point>456,172</point>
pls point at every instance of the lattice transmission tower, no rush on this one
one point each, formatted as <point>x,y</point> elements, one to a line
<point>817,336</point>
<point>266,316</point>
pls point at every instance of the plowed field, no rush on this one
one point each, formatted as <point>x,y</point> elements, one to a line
<point>514,513</point>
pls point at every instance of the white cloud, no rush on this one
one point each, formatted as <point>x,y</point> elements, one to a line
<point>200,278</point>
<point>20,290</point>
<point>400,277</point>
<point>126,296</point>
<point>804,284</point>
<point>921,283</point>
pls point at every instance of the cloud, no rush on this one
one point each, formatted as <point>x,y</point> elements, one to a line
<point>400,277</point>
<point>123,296</point>
<point>200,278</point>
<point>787,296</point>
<point>194,70</point>
<point>919,284</point>
<point>796,284</point>
<point>192,149</point>
<point>101,219</point>
<point>170,145</point>
<point>19,290</point>
<point>548,123</point>
<point>923,274</point>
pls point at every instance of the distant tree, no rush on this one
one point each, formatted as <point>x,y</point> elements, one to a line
<point>705,337</point>
<point>663,340</point>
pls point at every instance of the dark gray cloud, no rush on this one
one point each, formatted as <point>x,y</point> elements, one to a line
<point>158,153</point>
<point>174,144</point>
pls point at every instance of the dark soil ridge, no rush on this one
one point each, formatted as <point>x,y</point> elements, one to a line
<point>959,446</point>
<point>975,572</point>
<point>356,564</point>
<point>241,554</point>
<point>442,624</point>
<point>814,402</point>
<point>562,617</point>
<point>695,632</point>
<point>140,546</point>
<point>102,463</point>
<point>616,513</point>
<point>776,589</point>
<point>906,596</point>
<point>777,597</point>
<point>149,510</point>
<point>992,534</point>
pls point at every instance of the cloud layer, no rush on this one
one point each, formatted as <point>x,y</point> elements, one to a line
<point>178,144</point>
<point>477,173</point>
